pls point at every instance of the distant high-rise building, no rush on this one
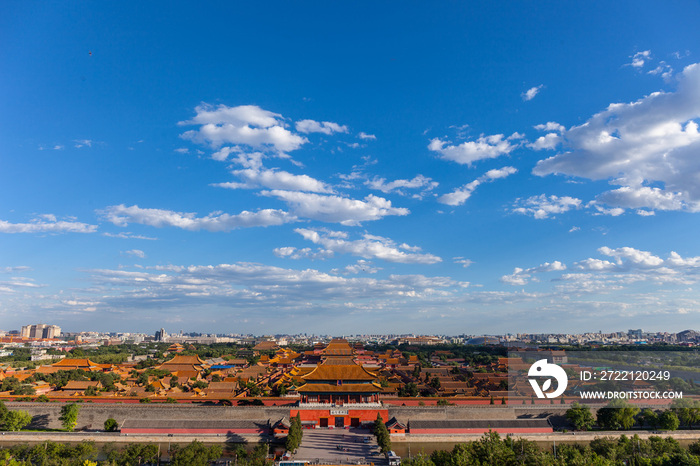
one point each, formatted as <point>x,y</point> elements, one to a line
<point>41,331</point>
<point>160,335</point>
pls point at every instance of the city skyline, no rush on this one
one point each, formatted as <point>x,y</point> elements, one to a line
<point>351,168</point>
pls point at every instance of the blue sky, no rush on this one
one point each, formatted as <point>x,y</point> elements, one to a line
<point>350,167</point>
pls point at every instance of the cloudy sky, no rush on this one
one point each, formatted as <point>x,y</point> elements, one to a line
<point>350,167</point>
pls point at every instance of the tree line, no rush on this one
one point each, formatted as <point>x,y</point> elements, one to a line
<point>620,415</point>
<point>491,449</point>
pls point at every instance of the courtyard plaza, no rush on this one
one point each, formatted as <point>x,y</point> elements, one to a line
<point>339,446</point>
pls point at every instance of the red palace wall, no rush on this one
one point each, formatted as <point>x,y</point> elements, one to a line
<point>544,430</point>
<point>364,415</point>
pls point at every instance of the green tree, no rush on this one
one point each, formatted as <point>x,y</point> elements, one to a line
<point>195,454</point>
<point>580,416</point>
<point>69,416</point>
<point>648,418</point>
<point>618,414</point>
<point>200,384</point>
<point>410,389</point>
<point>382,434</point>
<point>295,433</point>
<point>91,391</point>
<point>668,420</point>
<point>17,420</point>
<point>687,410</point>
<point>3,413</point>
<point>111,425</point>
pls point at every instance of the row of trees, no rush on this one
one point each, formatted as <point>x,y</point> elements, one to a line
<point>85,453</point>
<point>382,434</point>
<point>295,434</point>
<point>608,451</point>
<point>13,420</point>
<point>18,420</point>
<point>620,415</point>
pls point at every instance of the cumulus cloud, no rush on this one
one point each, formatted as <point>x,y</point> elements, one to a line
<point>644,196</point>
<point>47,224</point>
<point>628,265</point>
<point>460,196</point>
<point>247,125</point>
<point>419,182</point>
<point>122,215</point>
<point>649,148</point>
<point>531,93</point>
<point>366,136</point>
<point>548,141</point>
<point>275,179</point>
<point>325,127</point>
<point>369,247</point>
<point>543,207</point>
<point>485,147</point>
<point>522,277</point>
<point>550,126</point>
<point>336,209</point>
<point>290,252</point>
<point>639,58</point>
<point>136,253</point>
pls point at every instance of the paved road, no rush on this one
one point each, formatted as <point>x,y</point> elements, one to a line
<point>340,446</point>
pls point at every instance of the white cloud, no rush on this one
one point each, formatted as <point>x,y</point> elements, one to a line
<point>182,150</point>
<point>290,252</point>
<point>336,209</point>
<point>550,126</point>
<point>47,224</point>
<point>128,235</point>
<point>548,141</point>
<point>462,261</point>
<point>248,125</point>
<point>83,143</point>
<point>369,247</point>
<point>18,268</point>
<point>122,215</point>
<point>253,286</point>
<point>644,196</point>
<point>543,207</point>
<point>353,269</point>
<point>460,196</point>
<point>531,93</point>
<point>653,141</point>
<point>602,210</point>
<point>522,277</point>
<point>639,58</point>
<point>485,147</point>
<point>275,179</point>
<point>136,252</point>
<point>325,127</point>
<point>421,182</point>
<point>366,136</point>
<point>632,256</point>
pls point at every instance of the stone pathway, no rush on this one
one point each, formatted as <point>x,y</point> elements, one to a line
<point>339,446</point>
